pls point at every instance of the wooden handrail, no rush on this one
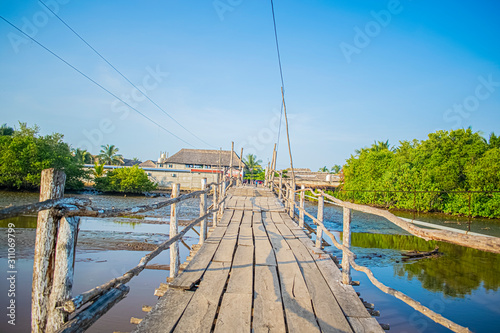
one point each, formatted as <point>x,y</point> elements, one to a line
<point>44,205</point>
<point>349,260</point>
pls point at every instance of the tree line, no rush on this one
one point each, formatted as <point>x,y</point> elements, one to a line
<point>24,153</point>
<point>432,175</point>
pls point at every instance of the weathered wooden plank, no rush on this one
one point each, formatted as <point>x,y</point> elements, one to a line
<point>226,217</point>
<point>173,303</point>
<point>328,312</point>
<point>365,325</point>
<point>241,279</point>
<point>227,245</point>
<point>196,268</point>
<point>264,254</point>
<point>285,231</point>
<point>246,236</point>
<point>296,299</point>
<point>235,314</point>
<point>257,218</point>
<point>268,313</point>
<point>346,296</point>
<point>200,312</point>
<point>276,217</point>
<point>247,217</point>
<point>216,235</point>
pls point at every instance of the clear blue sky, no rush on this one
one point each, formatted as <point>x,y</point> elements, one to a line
<point>354,71</point>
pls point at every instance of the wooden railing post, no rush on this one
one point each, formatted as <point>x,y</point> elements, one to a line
<point>174,248</point>
<point>319,229</point>
<point>51,187</point>
<point>291,210</point>
<point>301,205</point>
<point>222,196</point>
<point>203,211</point>
<point>215,206</point>
<point>281,185</point>
<point>346,242</point>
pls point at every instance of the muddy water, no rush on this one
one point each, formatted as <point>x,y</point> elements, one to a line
<point>462,284</point>
<point>106,248</point>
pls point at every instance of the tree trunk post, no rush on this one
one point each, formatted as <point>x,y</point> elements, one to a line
<point>203,211</point>
<point>231,163</point>
<point>222,196</point>
<point>319,229</point>
<point>240,175</point>
<point>215,206</point>
<point>281,185</point>
<point>63,272</point>
<point>51,187</point>
<point>174,248</point>
<point>346,242</point>
<point>301,212</point>
<point>292,201</point>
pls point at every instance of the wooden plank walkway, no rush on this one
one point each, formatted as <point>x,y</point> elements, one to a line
<point>259,272</point>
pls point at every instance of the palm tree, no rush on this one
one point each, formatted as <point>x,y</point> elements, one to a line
<point>5,130</point>
<point>82,156</point>
<point>252,163</point>
<point>336,168</point>
<point>324,169</point>
<point>109,155</point>
<point>380,145</point>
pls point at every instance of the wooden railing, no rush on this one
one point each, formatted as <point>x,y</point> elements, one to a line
<point>56,236</point>
<point>287,192</point>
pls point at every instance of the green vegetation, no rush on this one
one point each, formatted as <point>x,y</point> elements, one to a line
<point>24,154</point>
<point>253,169</point>
<point>128,180</point>
<point>459,160</point>
<point>82,156</point>
<point>109,155</point>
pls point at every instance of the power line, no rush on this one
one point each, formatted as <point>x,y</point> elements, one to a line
<point>122,75</point>
<point>283,96</point>
<point>281,73</point>
<point>91,80</point>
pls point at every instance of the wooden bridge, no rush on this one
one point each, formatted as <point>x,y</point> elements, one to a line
<point>256,269</point>
<point>259,271</point>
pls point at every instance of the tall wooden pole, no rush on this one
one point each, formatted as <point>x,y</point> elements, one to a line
<point>319,229</point>
<point>240,176</point>
<point>51,187</point>
<point>231,163</point>
<point>215,206</point>
<point>301,212</point>
<point>288,138</point>
<point>281,185</point>
<point>174,248</point>
<point>63,272</point>
<point>346,242</point>
<point>203,211</point>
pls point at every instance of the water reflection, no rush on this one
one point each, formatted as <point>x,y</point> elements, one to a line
<point>457,273</point>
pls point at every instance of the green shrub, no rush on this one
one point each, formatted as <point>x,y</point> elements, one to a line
<point>128,180</point>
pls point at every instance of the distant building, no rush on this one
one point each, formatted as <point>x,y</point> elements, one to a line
<point>201,159</point>
<point>129,162</point>
<point>307,177</point>
<point>147,164</point>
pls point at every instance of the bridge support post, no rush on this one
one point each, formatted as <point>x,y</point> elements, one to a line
<point>203,211</point>
<point>291,198</point>
<point>319,229</point>
<point>51,187</point>
<point>174,248</point>
<point>301,205</point>
<point>215,206</point>
<point>346,242</point>
<point>281,185</point>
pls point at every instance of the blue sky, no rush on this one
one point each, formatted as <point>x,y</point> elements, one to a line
<point>354,71</point>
